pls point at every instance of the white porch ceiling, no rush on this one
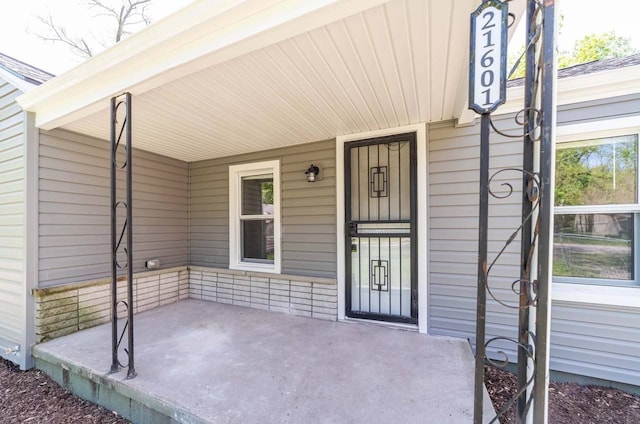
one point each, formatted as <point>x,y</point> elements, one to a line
<point>400,63</point>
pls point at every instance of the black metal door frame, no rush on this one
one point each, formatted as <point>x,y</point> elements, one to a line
<point>351,230</point>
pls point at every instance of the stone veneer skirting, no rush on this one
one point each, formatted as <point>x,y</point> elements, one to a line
<point>65,309</point>
<point>72,307</point>
<point>297,295</point>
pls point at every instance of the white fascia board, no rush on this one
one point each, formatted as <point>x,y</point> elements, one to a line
<point>20,84</point>
<point>466,116</point>
<point>199,36</point>
<point>583,88</point>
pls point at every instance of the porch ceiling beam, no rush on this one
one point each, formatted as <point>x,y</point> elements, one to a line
<point>201,35</point>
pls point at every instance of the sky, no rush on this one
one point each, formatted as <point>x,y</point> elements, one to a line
<point>19,25</point>
<point>584,17</point>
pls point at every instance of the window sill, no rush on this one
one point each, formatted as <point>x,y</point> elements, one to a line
<point>628,297</point>
<point>270,269</point>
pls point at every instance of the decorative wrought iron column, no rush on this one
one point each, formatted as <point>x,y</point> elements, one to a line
<point>121,230</point>
<point>532,287</point>
<point>548,77</point>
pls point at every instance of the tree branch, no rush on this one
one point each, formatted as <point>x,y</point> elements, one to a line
<point>59,34</point>
<point>130,13</point>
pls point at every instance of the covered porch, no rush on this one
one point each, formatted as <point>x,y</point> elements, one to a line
<point>226,84</point>
<point>201,361</point>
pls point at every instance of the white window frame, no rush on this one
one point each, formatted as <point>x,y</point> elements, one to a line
<point>627,296</point>
<point>236,173</point>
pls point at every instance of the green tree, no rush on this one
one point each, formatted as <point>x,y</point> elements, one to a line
<point>597,47</point>
<point>267,193</point>
<point>593,173</point>
<point>592,47</point>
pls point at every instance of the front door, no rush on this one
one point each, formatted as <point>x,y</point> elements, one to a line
<point>380,202</point>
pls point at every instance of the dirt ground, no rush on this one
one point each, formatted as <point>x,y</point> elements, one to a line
<point>569,402</point>
<point>32,397</point>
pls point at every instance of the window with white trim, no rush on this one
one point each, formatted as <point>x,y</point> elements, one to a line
<point>254,216</point>
<point>597,211</point>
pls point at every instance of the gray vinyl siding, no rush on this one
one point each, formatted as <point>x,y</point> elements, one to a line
<point>591,340</point>
<point>308,210</point>
<point>12,219</point>
<point>74,218</point>
<point>453,227</point>
<point>597,341</point>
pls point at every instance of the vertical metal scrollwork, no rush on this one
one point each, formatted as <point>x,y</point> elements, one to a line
<point>532,288</point>
<point>121,231</point>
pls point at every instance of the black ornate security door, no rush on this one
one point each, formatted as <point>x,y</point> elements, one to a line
<point>380,203</point>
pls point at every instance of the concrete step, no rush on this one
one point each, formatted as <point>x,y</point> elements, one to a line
<point>112,391</point>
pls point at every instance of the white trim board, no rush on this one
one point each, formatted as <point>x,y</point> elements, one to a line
<point>422,218</point>
<point>593,129</point>
<point>626,297</point>
<point>17,82</point>
<point>31,232</point>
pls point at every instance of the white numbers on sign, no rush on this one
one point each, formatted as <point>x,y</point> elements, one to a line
<point>488,47</point>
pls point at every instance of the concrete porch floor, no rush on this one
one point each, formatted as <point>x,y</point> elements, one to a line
<point>201,361</point>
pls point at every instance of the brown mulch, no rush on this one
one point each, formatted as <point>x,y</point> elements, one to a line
<point>569,402</point>
<point>32,397</point>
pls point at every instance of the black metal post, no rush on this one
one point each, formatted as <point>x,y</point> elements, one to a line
<point>543,310</point>
<point>118,233</point>
<point>481,305</point>
<point>114,272</point>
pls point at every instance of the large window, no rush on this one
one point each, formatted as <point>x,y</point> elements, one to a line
<point>254,216</point>
<point>597,211</point>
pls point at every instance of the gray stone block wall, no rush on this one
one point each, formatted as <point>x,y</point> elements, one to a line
<point>296,295</point>
<point>72,307</point>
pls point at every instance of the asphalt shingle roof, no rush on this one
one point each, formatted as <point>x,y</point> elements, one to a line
<point>589,68</point>
<point>23,71</point>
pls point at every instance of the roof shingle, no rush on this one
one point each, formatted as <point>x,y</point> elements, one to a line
<point>23,71</point>
<point>589,68</point>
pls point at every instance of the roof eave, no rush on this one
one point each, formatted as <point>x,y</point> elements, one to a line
<point>583,88</point>
<point>16,81</point>
<point>179,45</point>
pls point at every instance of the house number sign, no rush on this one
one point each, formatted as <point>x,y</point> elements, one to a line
<point>488,53</point>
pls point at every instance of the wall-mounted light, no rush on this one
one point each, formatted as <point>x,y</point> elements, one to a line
<point>152,264</point>
<point>313,172</point>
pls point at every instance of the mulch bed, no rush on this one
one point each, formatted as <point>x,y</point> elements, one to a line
<point>569,402</point>
<point>32,397</point>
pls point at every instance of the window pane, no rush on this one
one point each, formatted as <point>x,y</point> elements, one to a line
<point>597,172</point>
<point>257,240</point>
<point>594,246</point>
<point>257,195</point>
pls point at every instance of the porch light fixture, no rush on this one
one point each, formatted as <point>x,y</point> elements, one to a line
<point>152,264</point>
<point>312,173</point>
